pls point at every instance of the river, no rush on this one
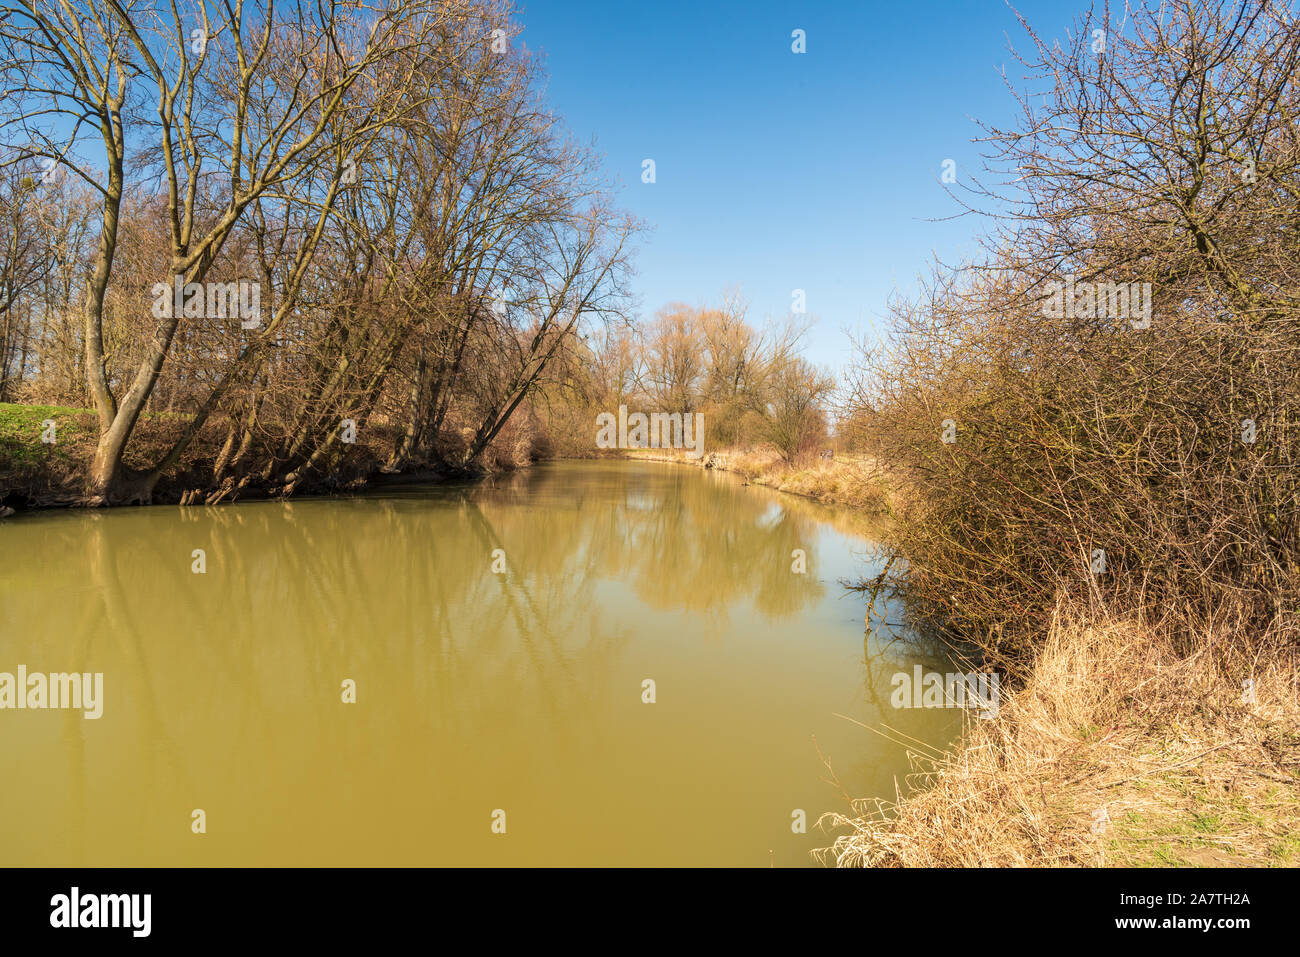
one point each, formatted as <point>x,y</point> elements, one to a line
<point>497,638</point>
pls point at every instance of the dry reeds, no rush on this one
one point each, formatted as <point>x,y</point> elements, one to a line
<point>1116,750</point>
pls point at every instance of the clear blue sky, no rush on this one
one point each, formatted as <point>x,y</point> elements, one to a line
<point>777,170</point>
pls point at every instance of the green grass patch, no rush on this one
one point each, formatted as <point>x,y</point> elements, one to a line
<point>1286,852</point>
<point>21,427</point>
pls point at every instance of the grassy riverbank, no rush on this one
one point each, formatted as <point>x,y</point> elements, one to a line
<point>37,473</point>
<point>43,467</point>
<point>851,480</point>
<point>32,471</point>
<point>1116,751</point>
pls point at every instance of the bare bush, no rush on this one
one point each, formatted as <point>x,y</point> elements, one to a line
<point>1048,442</point>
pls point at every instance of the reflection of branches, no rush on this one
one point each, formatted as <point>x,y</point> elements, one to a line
<point>517,594</point>
<point>703,546</point>
<point>834,780</point>
<point>124,625</point>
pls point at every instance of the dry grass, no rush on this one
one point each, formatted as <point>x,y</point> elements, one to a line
<point>1111,718</point>
<point>851,480</point>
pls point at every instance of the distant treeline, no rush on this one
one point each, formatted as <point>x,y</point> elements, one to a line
<point>752,385</point>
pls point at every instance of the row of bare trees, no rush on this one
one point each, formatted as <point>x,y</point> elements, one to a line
<point>750,383</point>
<point>1052,435</point>
<point>422,238</point>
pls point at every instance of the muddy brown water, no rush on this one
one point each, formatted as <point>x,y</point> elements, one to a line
<point>485,681</point>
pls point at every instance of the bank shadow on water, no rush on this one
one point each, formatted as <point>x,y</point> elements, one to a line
<point>499,636</point>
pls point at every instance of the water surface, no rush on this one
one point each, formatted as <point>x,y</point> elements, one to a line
<point>476,691</point>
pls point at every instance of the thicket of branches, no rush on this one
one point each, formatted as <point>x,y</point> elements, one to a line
<point>1167,153</point>
<point>425,237</point>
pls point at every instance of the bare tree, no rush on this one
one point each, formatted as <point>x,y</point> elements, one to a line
<point>249,96</point>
